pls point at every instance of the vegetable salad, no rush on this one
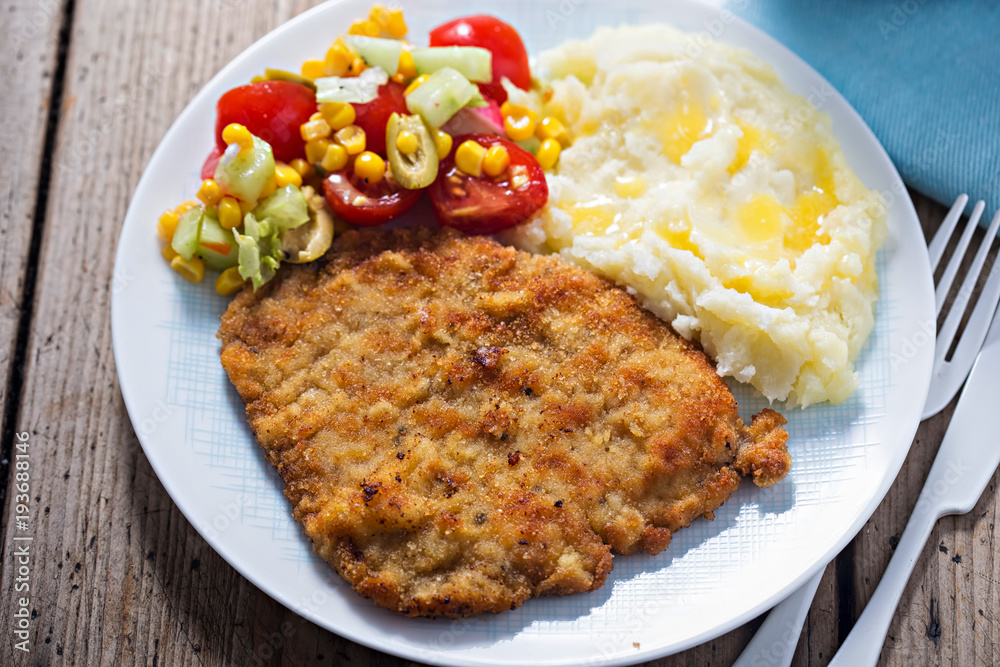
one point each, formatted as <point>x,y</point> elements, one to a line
<point>357,138</point>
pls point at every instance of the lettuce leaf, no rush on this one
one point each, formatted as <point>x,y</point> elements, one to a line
<point>260,250</point>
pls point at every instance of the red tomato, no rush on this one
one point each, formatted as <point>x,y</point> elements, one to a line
<point>374,116</point>
<point>361,203</point>
<point>483,205</point>
<point>509,56</point>
<point>211,162</point>
<point>271,110</point>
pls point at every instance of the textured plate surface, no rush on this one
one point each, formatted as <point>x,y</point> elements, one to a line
<point>715,575</point>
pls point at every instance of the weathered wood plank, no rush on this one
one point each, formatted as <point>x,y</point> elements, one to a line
<point>820,638</point>
<point>28,62</point>
<point>114,579</point>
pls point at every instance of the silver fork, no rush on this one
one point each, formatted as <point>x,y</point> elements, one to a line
<point>775,642</point>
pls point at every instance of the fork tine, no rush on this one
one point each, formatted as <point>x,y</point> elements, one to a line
<point>959,306</point>
<point>944,232</point>
<point>941,293</point>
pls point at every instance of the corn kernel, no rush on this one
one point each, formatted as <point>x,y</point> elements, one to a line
<point>168,253</point>
<point>469,157</point>
<point>415,84</point>
<point>246,206</point>
<point>352,138</point>
<point>193,271</point>
<point>496,161</point>
<point>442,143</point>
<point>518,121</point>
<point>338,115</point>
<point>356,67</point>
<point>230,216</point>
<point>316,149</point>
<point>406,66</point>
<point>286,175</point>
<point>551,128</point>
<point>269,187</point>
<point>257,79</point>
<point>407,142</point>
<point>184,207</point>
<point>304,169</point>
<point>508,108</point>
<point>167,225</point>
<point>238,134</point>
<point>313,69</point>
<point>370,167</point>
<point>315,129</point>
<point>338,59</point>
<point>396,25</point>
<point>229,282</point>
<point>380,15</point>
<point>365,27</point>
<point>209,193</point>
<point>335,158</point>
<point>548,153</point>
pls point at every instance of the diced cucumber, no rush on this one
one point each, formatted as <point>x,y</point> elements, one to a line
<point>377,52</point>
<point>441,96</point>
<point>185,240</point>
<point>245,175</point>
<point>216,244</point>
<point>472,62</point>
<point>285,208</point>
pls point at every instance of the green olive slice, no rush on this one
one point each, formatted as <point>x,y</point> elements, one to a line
<point>411,170</point>
<point>282,75</point>
<point>312,239</point>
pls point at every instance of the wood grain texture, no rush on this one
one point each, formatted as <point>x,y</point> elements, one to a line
<point>819,638</point>
<point>120,577</point>
<point>30,30</point>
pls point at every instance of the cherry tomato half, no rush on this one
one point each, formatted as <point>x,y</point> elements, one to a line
<point>211,162</point>
<point>510,59</point>
<point>374,116</point>
<point>271,110</point>
<point>362,203</point>
<point>484,204</point>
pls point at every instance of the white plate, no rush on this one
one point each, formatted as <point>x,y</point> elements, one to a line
<point>715,576</point>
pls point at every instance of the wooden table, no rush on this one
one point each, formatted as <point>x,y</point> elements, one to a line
<point>119,576</point>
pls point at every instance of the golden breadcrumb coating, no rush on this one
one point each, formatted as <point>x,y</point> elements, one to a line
<point>461,426</point>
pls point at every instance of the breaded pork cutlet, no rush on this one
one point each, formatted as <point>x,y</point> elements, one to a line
<point>461,426</point>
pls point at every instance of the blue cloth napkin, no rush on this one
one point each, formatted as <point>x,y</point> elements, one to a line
<point>924,74</point>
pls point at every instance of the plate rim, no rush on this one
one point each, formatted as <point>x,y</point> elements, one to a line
<point>118,324</point>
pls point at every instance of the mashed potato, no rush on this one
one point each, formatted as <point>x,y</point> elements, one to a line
<point>720,199</point>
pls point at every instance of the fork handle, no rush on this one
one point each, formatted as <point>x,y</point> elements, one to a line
<point>864,643</point>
